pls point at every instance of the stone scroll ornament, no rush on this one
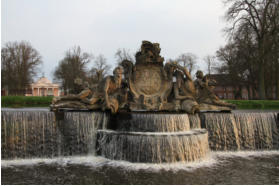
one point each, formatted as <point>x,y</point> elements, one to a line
<point>148,85</point>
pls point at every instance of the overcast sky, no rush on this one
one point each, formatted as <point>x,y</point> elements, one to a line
<point>103,26</point>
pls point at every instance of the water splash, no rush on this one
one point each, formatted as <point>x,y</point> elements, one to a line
<point>97,162</point>
<point>213,159</point>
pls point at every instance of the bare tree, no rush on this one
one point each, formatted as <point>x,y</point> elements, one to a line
<point>188,60</point>
<point>100,69</point>
<point>71,67</point>
<point>124,54</point>
<point>19,65</point>
<point>261,16</point>
<point>210,63</point>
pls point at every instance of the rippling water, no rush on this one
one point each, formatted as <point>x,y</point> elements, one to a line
<point>220,168</point>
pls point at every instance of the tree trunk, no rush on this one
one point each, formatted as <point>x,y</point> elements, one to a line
<point>255,91</point>
<point>261,82</point>
<point>277,83</point>
<point>249,92</point>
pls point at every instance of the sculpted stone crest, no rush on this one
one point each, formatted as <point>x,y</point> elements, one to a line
<point>147,86</point>
<point>148,82</point>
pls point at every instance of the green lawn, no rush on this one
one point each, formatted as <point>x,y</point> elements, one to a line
<point>255,104</point>
<point>25,101</point>
<point>36,101</point>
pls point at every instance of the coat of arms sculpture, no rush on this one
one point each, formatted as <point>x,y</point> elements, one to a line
<point>148,85</point>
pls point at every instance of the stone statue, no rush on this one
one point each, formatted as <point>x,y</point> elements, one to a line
<point>147,86</point>
<point>205,96</point>
<point>73,100</point>
<point>108,92</point>
<point>149,53</point>
<point>149,83</point>
<point>106,96</point>
<point>184,91</point>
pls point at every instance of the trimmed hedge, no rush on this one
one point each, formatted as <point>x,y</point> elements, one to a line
<point>255,104</point>
<point>26,101</point>
<point>37,101</point>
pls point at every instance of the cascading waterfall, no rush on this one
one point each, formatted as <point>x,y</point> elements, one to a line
<point>136,137</point>
<point>153,147</point>
<point>151,122</point>
<point>241,131</point>
<point>195,122</point>
<point>153,138</point>
<point>79,131</point>
<point>27,134</point>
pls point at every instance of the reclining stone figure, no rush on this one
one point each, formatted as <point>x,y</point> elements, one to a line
<point>107,95</point>
<point>206,96</point>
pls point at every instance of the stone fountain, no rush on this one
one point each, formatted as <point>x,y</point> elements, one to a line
<point>146,112</point>
<point>150,123</point>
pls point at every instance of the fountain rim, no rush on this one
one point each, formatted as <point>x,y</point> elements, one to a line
<point>183,133</point>
<point>125,111</point>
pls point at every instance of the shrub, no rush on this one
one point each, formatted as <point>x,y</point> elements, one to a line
<point>26,101</point>
<point>255,104</point>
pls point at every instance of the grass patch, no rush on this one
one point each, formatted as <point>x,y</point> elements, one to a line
<point>255,104</point>
<point>25,101</point>
<point>37,101</point>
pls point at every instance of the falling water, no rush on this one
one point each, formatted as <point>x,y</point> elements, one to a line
<point>28,134</point>
<point>195,122</point>
<point>241,131</point>
<point>153,138</point>
<point>153,147</point>
<point>39,134</point>
<point>137,137</point>
<point>79,131</point>
<point>257,130</point>
<point>151,122</point>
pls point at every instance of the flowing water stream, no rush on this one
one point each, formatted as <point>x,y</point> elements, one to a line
<point>219,168</point>
<point>39,148</point>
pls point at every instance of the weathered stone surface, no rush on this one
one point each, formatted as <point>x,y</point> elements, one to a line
<point>205,95</point>
<point>147,86</point>
<point>108,95</point>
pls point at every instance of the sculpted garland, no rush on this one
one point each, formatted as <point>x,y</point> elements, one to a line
<point>148,85</point>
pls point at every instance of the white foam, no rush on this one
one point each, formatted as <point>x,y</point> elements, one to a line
<point>207,162</point>
<point>96,161</point>
<point>245,154</point>
<point>63,161</point>
<point>213,159</point>
<point>26,162</point>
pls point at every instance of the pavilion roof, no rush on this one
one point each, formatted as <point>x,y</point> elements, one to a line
<point>44,82</point>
